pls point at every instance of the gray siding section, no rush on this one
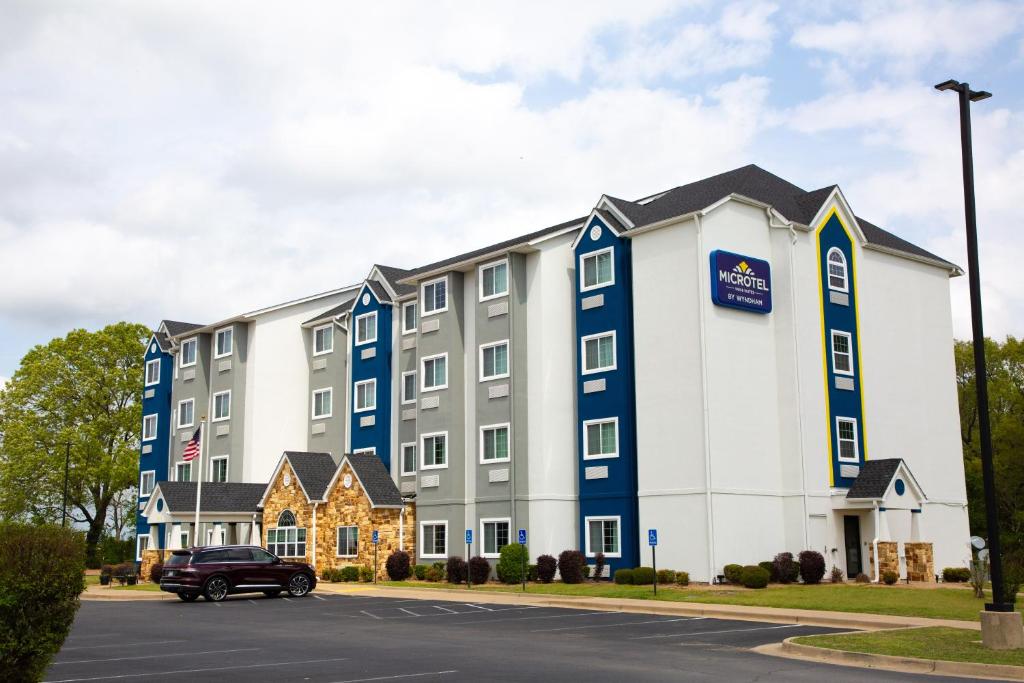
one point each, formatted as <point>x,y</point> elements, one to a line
<point>328,370</point>
<point>406,428</point>
<point>228,376</point>
<point>198,388</point>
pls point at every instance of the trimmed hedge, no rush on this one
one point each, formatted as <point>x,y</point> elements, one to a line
<point>733,572</point>
<point>350,573</point>
<point>769,567</point>
<point>456,569</point>
<point>571,564</point>
<point>666,576</point>
<point>956,574</point>
<point>786,568</point>
<point>890,578</point>
<point>754,576</point>
<point>155,572</point>
<point>434,575</point>
<point>643,576</point>
<point>812,566</point>
<point>623,577</point>
<point>397,566</point>
<point>546,568</point>
<point>420,571</point>
<point>683,578</point>
<point>479,570</point>
<point>510,563</point>
<point>41,578</point>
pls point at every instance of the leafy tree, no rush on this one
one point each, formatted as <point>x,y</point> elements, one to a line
<point>82,390</point>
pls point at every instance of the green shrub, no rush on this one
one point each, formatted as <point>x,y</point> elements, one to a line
<point>837,575</point>
<point>434,575</point>
<point>479,570</point>
<point>623,577</point>
<point>397,566</point>
<point>1013,577</point>
<point>546,568</point>
<point>420,571</point>
<point>350,573</point>
<point>956,574</point>
<point>754,576</point>
<point>511,563</point>
<point>812,566</point>
<point>862,578</point>
<point>365,574</point>
<point>733,572</point>
<point>769,567</point>
<point>683,578</point>
<point>456,569</point>
<point>643,576</point>
<point>155,572</point>
<point>786,568</point>
<point>571,564</point>
<point>666,576</point>
<point>890,577</point>
<point>111,550</point>
<point>40,580</point>
<point>531,572</point>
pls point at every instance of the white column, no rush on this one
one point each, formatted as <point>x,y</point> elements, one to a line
<point>174,543</point>
<point>915,526</point>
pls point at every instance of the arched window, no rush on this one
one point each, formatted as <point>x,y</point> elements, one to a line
<point>286,540</point>
<point>286,518</point>
<point>837,278</point>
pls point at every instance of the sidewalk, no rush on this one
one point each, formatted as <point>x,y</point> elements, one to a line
<point>94,592</point>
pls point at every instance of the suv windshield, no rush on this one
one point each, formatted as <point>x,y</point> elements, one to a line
<point>178,559</point>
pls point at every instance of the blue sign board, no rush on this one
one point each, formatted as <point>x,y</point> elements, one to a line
<point>741,282</point>
<point>469,536</point>
<point>376,537</point>
<point>522,537</point>
<point>652,537</point>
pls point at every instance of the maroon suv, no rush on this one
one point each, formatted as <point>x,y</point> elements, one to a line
<point>217,571</point>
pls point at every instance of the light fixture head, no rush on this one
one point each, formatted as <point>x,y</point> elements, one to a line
<point>980,95</point>
<point>948,85</point>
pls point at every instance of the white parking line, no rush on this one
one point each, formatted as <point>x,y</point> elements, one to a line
<point>94,635</point>
<point>407,611</point>
<point>95,647</point>
<point>469,604</point>
<point>543,616</point>
<point>252,601</point>
<point>370,615</point>
<point>705,633</point>
<point>169,654</point>
<point>397,676</point>
<point>287,599</point>
<point>626,623</point>
<point>320,598</point>
<point>445,609</point>
<point>194,671</point>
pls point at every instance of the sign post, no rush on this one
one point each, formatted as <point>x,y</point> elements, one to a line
<point>652,540</point>
<point>522,544</point>
<point>469,555</point>
<point>376,540</point>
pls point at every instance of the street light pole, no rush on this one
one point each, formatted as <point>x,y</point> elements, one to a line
<point>966,96</point>
<point>67,467</point>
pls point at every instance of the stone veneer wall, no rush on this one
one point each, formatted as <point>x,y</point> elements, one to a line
<point>149,558</point>
<point>292,498</point>
<point>920,561</point>
<point>888,552</point>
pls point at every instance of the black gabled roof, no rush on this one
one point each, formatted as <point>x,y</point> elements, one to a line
<point>379,291</point>
<point>333,312</point>
<point>313,470</point>
<point>393,275</point>
<point>180,496</point>
<point>377,482</point>
<point>162,340</point>
<point>176,329</point>
<point>874,479</point>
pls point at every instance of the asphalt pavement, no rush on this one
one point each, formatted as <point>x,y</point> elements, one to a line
<point>330,638</point>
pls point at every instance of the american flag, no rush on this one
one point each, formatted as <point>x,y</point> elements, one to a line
<point>191,451</point>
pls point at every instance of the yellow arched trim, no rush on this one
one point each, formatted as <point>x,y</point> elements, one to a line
<point>826,351</point>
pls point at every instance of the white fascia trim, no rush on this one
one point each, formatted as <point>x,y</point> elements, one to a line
<point>423,374</point>
<point>662,224</point>
<point>325,351</point>
<point>355,326</point>
<point>491,345</point>
<point>493,520</point>
<point>582,274</point>
<point>602,518</point>
<point>583,353</point>
<point>447,295</point>
<point>423,451</point>
<point>553,235</point>
<point>214,403</point>
<point>355,396</point>
<point>312,406</point>
<point>434,522</point>
<point>953,270</point>
<point>605,203</point>
<point>909,476</point>
<point>378,276</point>
<point>480,279</point>
<point>838,200</point>
<point>296,302</point>
<point>500,425</point>
<point>603,456</point>
<point>216,334</point>
<point>587,224</point>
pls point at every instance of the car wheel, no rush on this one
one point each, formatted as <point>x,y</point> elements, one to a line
<point>272,594</point>
<point>216,589</point>
<point>188,597</point>
<point>299,585</point>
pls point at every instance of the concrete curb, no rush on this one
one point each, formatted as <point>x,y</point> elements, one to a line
<point>938,667</point>
<point>116,595</point>
<point>844,620</point>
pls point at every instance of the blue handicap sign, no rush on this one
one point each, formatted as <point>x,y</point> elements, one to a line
<point>376,537</point>
<point>522,537</point>
<point>469,536</point>
<point>652,537</point>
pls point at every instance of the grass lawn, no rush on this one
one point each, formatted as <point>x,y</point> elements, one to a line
<point>948,644</point>
<point>938,603</point>
<point>138,587</point>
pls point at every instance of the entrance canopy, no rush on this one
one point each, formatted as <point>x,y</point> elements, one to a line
<point>174,502</point>
<point>888,484</point>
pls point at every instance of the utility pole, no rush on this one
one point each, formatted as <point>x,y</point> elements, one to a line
<point>67,469</point>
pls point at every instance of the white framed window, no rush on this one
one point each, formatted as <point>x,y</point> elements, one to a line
<point>434,540</point>
<point>596,269</point>
<point>149,427</point>
<point>222,406</point>
<point>494,360</point>
<point>147,481</point>
<point>348,541</point>
<point>183,471</point>
<point>435,372</point>
<point>494,535</point>
<point>372,450</point>
<point>187,353</point>
<point>409,387</point>
<point>409,317</point>
<point>435,451</point>
<point>601,438</point>
<point>434,296</point>
<point>838,278</point>
<point>143,545</point>
<point>219,468</point>
<point>603,536</point>
<point>493,280</point>
<point>366,395</point>
<point>224,343</point>
<point>287,540</point>
<point>846,437</point>
<point>598,352</point>
<point>408,459</point>
<point>152,372</point>
<point>842,352</point>
<point>323,339</point>
<point>322,400</point>
<point>494,443</point>
<point>366,328</point>
<point>186,413</point>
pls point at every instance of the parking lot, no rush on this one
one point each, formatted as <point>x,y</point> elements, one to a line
<point>352,638</point>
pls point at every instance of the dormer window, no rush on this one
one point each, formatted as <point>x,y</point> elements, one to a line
<point>837,277</point>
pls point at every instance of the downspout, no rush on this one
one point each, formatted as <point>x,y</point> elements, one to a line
<point>874,541</point>
<point>704,397</point>
<point>314,537</point>
<point>401,527</point>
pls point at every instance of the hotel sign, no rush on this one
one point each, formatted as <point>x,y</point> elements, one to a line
<point>741,282</point>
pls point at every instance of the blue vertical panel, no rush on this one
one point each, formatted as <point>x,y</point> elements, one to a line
<point>156,400</point>
<point>614,496</point>
<point>841,315</point>
<point>378,435</point>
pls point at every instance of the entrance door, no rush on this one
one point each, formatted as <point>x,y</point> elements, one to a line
<point>851,532</point>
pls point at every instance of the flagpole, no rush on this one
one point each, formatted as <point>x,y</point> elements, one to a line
<point>199,482</point>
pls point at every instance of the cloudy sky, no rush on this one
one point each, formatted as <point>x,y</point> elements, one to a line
<point>194,160</point>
